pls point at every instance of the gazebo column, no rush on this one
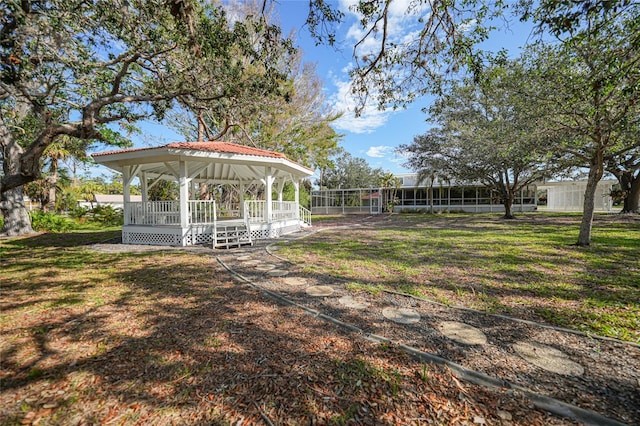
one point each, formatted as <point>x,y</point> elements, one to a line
<point>184,195</point>
<point>241,198</point>
<point>144,186</point>
<point>296,194</point>
<point>268,205</point>
<point>280,189</point>
<point>126,191</point>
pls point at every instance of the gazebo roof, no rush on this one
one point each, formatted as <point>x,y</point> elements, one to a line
<point>219,162</point>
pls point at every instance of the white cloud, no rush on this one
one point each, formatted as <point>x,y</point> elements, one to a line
<point>403,27</point>
<point>344,101</point>
<point>380,151</point>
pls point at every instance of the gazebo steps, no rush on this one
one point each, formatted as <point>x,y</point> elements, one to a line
<point>232,236</point>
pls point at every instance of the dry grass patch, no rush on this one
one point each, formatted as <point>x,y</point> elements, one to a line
<point>168,338</point>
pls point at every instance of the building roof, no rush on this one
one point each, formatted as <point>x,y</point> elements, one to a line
<point>220,162</point>
<point>222,147</point>
<point>114,198</point>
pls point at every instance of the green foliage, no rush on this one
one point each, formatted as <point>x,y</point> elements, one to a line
<point>107,215</point>
<point>78,213</point>
<point>119,62</point>
<point>347,171</point>
<point>50,222</point>
<point>485,131</point>
<point>164,190</point>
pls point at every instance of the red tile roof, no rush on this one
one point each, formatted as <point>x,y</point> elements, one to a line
<point>225,147</point>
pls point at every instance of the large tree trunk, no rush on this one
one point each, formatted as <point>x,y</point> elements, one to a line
<point>595,174</point>
<point>53,183</point>
<point>632,199</point>
<point>16,217</point>
<point>508,208</point>
<point>507,201</point>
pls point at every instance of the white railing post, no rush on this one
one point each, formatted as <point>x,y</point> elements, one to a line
<point>214,235</point>
<point>247,221</point>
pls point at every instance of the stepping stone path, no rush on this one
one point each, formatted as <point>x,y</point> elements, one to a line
<point>350,302</point>
<point>277,273</point>
<point>295,281</point>
<point>319,290</point>
<point>401,315</point>
<point>542,356</point>
<point>266,267</point>
<point>462,333</point>
<point>548,358</point>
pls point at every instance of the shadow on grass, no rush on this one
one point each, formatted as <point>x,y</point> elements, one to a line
<point>125,337</point>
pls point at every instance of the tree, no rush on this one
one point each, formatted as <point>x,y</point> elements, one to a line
<point>484,133</point>
<point>294,120</point>
<point>89,70</point>
<point>442,39</point>
<point>390,184</point>
<point>349,172</point>
<point>625,166</point>
<point>590,86</point>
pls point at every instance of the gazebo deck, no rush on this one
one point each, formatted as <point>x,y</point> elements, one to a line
<point>158,222</point>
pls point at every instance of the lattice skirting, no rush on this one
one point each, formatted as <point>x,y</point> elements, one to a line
<point>153,237</point>
<point>158,236</point>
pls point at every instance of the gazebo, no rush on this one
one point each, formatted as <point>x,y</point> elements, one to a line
<point>188,220</point>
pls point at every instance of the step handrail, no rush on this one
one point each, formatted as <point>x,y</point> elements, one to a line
<point>305,215</point>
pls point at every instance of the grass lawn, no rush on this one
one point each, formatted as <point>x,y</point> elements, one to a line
<point>167,337</point>
<point>527,268</point>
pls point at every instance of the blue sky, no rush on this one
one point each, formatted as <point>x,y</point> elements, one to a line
<point>376,134</point>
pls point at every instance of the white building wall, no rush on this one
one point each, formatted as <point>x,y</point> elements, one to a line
<point>569,196</point>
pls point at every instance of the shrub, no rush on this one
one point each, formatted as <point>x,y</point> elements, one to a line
<point>51,222</point>
<point>107,215</point>
<point>78,213</point>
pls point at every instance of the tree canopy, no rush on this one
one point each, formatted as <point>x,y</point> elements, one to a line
<point>90,70</point>
<point>484,133</point>
<point>589,87</point>
<point>347,171</point>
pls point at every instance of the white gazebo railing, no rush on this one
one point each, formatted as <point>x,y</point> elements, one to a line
<point>282,210</point>
<point>152,213</point>
<point>255,210</point>
<point>305,215</point>
<point>202,212</point>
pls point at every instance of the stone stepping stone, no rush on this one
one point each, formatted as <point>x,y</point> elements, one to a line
<point>462,333</point>
<point>548,358</point>
<point>244,258</point>
<point>350,302</point>
<point>251,263</point>
<point>319,290</point>
<point>401,315</point>
<point>295,281</point>
<point>266,267</point>
<point>277,273</point>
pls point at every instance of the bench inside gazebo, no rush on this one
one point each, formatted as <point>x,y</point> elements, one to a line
<point>189,220</point>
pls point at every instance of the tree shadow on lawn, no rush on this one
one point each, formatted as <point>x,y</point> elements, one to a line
<point>605,384</point>
<point>178,339</point>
